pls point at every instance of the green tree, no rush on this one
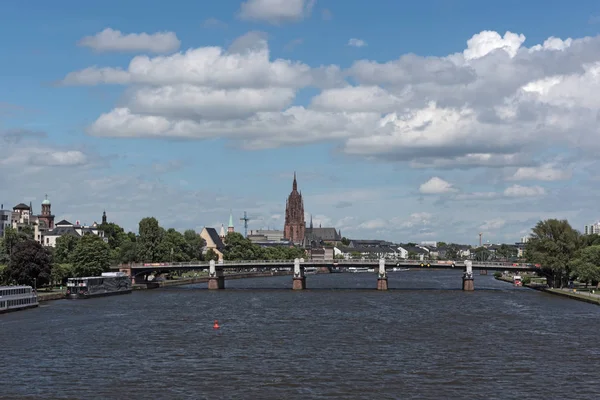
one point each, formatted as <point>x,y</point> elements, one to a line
<point>10,240</point>
<point>194,245</point>
<point>91,256</point>
<point>481,254</point>
<point>60,273</point>
<point>441,244</point>
<point>345,241</point>
<point>65,245</point>
<point>586,266</point>
<point>237,247</point>
<point>27,232</point>
<point>211,255</point>
<point>128,252</point>
<point>173,247</point>
<point>29,260</point>
<point>452,252</point>
<point>149,240</point>
<point>4,256</point>
<point>553,244</point>
<point>356,255</point>
<point>114,233</point>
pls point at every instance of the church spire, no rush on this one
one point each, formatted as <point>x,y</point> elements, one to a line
<point>311,224</point>
<point>230,228</point>
<point>295,184</point>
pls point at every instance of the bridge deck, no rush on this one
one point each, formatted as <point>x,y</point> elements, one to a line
<point>389,264</point>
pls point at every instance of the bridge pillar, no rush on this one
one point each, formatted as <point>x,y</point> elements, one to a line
<point>382,279</point>
<point>467,279</point>
<point>216,280</point>
<point>299,280</point>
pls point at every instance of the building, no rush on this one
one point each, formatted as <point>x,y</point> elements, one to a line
<point>295,226</point>
<point>46,219</point>
<point>5,219</point>
<point>593,229</point>
<point>318,236</point>
<point>230,228</point>
<point>213,241</point>
<point>266,235</point>
<point>64,227</point>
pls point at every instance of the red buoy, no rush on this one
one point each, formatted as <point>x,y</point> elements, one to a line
<point>216,325</point>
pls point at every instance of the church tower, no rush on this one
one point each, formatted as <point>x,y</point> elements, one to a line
<point>104,217</point>
<point>230,228</point>
<point>46,218</point>
<point>295,226</point>
<point>222,233</point>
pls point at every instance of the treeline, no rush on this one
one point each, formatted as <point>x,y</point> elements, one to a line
<point>22,259</point>
<point>237,247</point>
<point>564,253</point>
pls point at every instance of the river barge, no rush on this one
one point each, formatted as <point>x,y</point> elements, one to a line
<point>15,298</point>
<point>110,283</point>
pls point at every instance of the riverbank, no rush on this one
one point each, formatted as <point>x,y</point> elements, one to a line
<point>586,297</point>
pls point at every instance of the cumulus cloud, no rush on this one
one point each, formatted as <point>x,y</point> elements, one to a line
<point>524,191</point>
<point>114,40</point>
<point>545,172</point>
<point>356,42</point>
<point>436,185</point>
<point>276,11</point>
<point>496,103</point>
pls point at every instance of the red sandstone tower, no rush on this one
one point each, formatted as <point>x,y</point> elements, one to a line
<point>294,216</point>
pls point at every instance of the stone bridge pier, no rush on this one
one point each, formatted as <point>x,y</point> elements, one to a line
<point>299,279</point>
<point>216,279</point>
<point>382,279</point>
<point>467,280</point>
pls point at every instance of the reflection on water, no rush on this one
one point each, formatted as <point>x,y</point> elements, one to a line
<point>424,338</point>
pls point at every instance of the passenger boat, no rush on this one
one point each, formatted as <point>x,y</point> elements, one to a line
<point>358,269</point>
<point>310,270</point>
<point>517,280</point>
<point>14,298</point>
<point>110,283</point>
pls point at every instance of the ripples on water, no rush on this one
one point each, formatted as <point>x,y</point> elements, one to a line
<point>424,338</point>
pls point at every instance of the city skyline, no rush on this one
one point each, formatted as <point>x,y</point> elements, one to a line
<point>429,121</point>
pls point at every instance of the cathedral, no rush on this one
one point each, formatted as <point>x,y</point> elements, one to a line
<point>295,226</point>
<point>295,229</point>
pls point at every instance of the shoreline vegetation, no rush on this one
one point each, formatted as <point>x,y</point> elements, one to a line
<point>588,295</point>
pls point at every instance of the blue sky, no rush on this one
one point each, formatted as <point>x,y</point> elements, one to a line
<point>431,120</point>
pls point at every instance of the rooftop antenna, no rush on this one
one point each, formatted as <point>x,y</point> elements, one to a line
<point>245,219</point>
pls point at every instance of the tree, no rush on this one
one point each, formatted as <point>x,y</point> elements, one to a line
<point>345,241</point>
<point>29,260</point>
<point>10,240</point>
<point>91,256</point>
<point>553,244</point>
<point>149,240</point>
<point>211,255</point>
<point>114,233</point>
<point>586,265</point>
<point>452,252</point>
<point>27,232</point>
<point>237,247</point>
<point>60,273</point>
<point>65,245</point>
<point>194,245</point>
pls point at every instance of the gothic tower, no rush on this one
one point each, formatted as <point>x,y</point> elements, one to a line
<point>295,226</point>
<point>104,217</point>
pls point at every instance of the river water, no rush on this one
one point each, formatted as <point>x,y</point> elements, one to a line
<point>424,338</point>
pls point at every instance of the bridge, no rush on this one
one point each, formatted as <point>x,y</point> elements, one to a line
<point>216,279</point>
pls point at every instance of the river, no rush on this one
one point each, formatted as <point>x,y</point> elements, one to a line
<point>424,338</point>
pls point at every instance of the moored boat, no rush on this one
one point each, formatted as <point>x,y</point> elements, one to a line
<point>110,283</point>
<point>14,298</point>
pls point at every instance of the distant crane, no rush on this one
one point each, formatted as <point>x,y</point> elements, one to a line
<point>245,219</point>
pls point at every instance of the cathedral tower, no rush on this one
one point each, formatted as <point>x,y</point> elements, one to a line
<point>104,217</point>
<point>46,218</point>
<point>230,227</point>
<point>295,225</point>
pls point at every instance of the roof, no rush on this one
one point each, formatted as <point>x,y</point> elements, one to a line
<point>64,222</point>
<point>46,201</point>
<point>212,232</point>
<point>70,230</point>
<point>326,234</point>
<point>230,220</point>
<point>21,206</point>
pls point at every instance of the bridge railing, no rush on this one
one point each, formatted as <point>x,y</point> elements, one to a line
<point>205,264</point>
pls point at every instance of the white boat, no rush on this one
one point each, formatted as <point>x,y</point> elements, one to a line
<point>310,270</point>
<point>397,269</point>
<point>358,269</point>
<point>110,283</point>
<point>13,298</point>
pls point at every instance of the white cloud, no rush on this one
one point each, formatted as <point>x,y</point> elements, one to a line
<point>545,172</point>
<point>492,224</point>
<point>524,191</point>
<point>114,40</point>
<point>436,185</point>
<point>356,42</point>
<point>276,11</point>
